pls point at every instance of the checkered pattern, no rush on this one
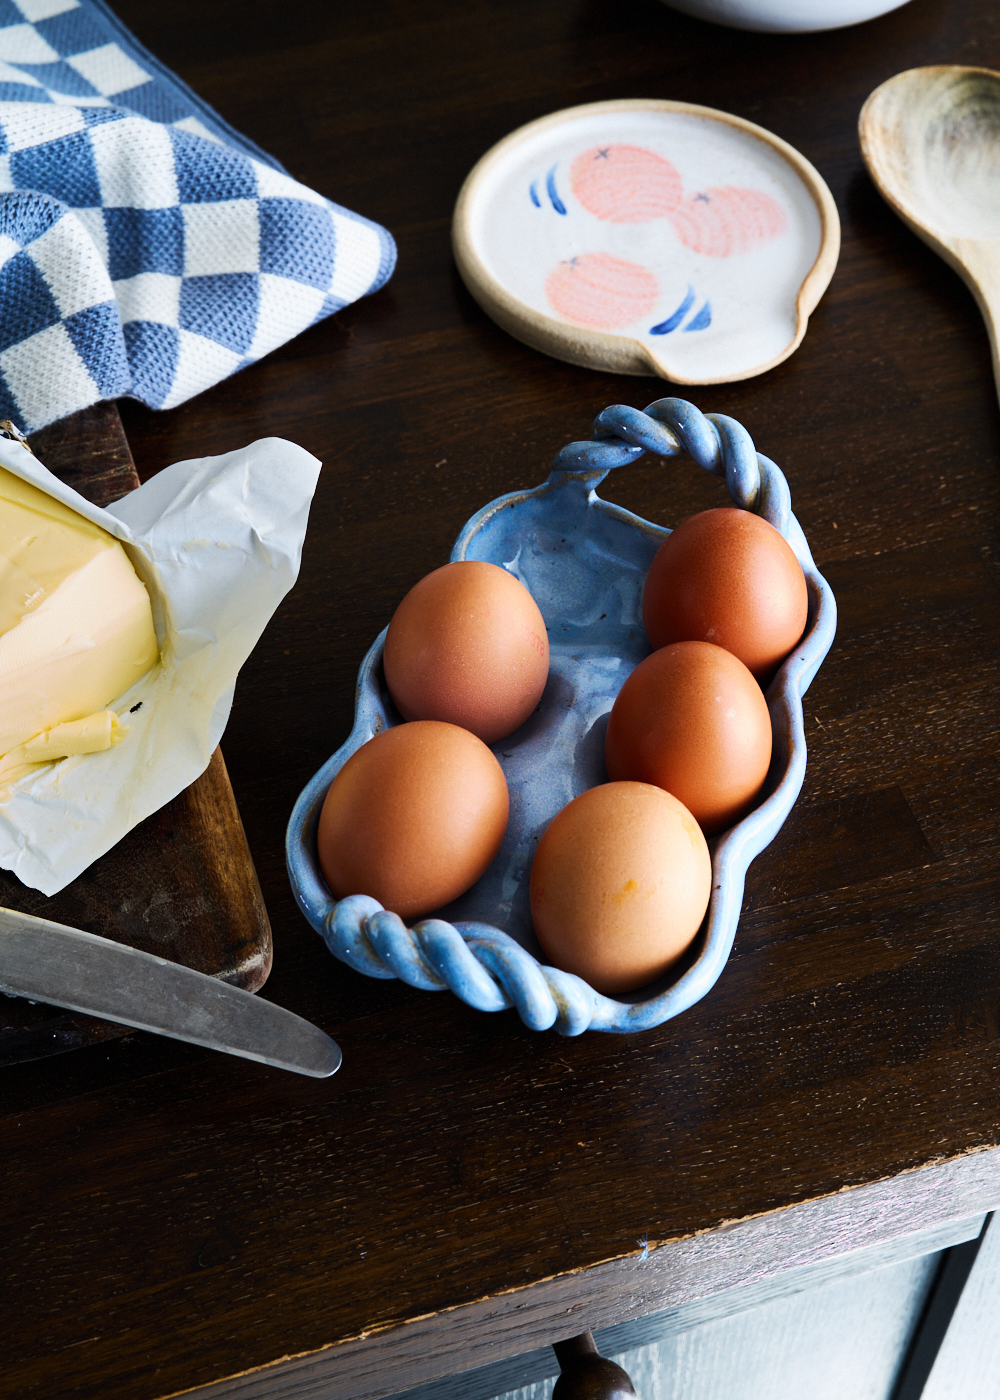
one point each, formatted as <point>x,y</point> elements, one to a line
<point>146,248</point>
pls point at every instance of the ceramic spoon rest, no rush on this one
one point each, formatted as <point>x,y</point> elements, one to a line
<point>649,237</point>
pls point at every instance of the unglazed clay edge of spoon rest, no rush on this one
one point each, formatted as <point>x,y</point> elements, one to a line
<point>892,135</point>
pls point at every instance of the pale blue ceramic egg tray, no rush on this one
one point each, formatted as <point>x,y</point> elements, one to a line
<point>584,561</point>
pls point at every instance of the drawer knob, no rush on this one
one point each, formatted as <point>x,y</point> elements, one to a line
<point>586,1375</point>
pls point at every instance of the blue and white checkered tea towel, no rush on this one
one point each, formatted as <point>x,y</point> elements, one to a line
<point>146,248</point>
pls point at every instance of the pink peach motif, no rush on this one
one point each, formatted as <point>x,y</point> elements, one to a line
<point>722,222</point>
<point>625,184</point>
<point>596,289</point>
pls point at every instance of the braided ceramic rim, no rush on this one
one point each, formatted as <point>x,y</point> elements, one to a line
<point>484,966</point>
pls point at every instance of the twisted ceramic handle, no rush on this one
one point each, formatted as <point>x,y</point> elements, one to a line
<point>670,427</point>
<point>486,968</point>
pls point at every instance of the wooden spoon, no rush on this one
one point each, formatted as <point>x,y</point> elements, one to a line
<point>931,141</point>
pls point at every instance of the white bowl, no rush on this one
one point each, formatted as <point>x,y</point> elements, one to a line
<point>786,16</point>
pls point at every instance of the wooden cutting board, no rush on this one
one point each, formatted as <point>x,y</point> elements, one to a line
<point>182,884</point>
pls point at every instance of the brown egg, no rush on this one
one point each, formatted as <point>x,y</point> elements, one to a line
<point>468,645</point>
<point>691,719</point>
<point>413,818</point>
<point>619,885</point>
<point>728,577</point>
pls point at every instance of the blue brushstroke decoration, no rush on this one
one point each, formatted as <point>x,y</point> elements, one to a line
<point>702,320</point>
<point>534,195</point>
<point>584,560</point>
<point>672,322</point>
<point>550,185</point>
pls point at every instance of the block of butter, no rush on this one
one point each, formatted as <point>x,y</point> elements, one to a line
<point>122,632</point>
<point>76,626</point>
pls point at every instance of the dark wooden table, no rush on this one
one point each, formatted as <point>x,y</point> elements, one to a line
<point>465,1189</point>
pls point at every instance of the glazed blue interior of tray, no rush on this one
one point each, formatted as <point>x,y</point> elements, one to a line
<point>584,561</point>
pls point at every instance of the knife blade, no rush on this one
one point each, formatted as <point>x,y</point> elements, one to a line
<point>66,967</point>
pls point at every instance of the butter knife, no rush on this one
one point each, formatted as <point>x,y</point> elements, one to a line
<point>67,967</point>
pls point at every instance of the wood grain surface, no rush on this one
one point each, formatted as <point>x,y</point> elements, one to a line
<point>653,1329</point>
<point>182,883</point>
<point>465,1189</point>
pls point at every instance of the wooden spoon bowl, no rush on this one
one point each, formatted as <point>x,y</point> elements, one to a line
<point>931,141</point>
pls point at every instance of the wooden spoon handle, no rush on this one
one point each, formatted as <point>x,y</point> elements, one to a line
<point>979,264</point>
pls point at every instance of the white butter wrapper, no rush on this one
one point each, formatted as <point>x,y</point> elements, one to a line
<point>217,543</point>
